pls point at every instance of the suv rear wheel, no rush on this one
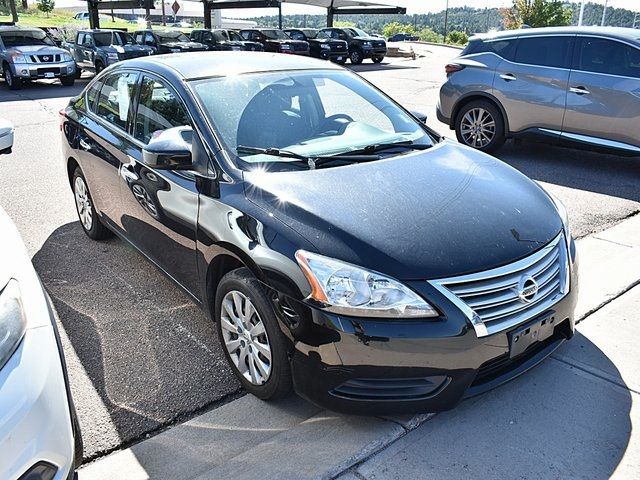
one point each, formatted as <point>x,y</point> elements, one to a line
<point>250,336</point>
<point>479,124</point>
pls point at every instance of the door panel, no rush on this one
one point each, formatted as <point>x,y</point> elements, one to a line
<point>533,87</point>
<point>604,93</point>
<point>160,207</point>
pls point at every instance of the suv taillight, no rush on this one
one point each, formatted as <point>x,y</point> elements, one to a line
<point>452,68</point>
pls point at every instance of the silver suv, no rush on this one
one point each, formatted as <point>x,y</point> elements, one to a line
<point>29,54</point>
<point>569,85</point>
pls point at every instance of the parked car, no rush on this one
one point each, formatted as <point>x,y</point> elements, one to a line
<point>29,54</point>
<point>566,85</point>
<point>84,16</point>
<point>403,37</point>
<point>94,50</point>
<point>167,41</point>
<point>247,45</point>
<point>340,245</point>
<point>274,40</point>
<point>321,45</point>
<point>361,44</point>
<point>6,136</point>
<point>39,430</point>
<point>215,39</point>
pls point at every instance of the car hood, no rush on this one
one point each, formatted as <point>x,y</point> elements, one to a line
<point>445,211</point>
<point>287,42</point>
<point>183,45</point>
<point>38,50</point>
<point>125,48</point>
<point>370,39</point>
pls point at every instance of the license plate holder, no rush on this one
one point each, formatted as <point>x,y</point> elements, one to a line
<point>49,75</point>
<point>534,331</point>
<point>339,59</point>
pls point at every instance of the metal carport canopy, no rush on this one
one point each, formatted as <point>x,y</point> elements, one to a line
<point>334,7</point>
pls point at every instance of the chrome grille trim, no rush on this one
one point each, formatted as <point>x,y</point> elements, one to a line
<point>490,299</point>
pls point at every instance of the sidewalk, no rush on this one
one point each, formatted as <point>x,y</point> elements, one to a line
<point>570,417</point>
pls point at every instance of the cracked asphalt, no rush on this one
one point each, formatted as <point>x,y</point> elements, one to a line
<point>141,356</point>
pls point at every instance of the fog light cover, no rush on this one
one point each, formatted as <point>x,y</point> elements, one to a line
<point>40,471</point>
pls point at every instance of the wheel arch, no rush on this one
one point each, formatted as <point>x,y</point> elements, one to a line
<point>470,97</point>
<point>72,164</point>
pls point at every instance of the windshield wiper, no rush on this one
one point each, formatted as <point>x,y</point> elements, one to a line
<point>312,161</point>
<point>379,147</point>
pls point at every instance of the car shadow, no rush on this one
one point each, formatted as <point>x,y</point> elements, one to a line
<point>43,89</point>
<point>374,67</point>
<point>141,354</point>
<point>613,175</point>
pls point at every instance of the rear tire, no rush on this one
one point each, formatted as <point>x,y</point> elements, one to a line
<point>89,220</point>
<point>245,318</point>
<point>479,124</point>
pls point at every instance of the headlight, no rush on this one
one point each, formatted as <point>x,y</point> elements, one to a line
<point>324,46</point>
<point>112,56</point>
<point>18,58</point>
<point>285,47</point>
<point>562,212</point>
<point>366,44</point>
<point>66,57</point>
<point>350,290</point>
<point>12,321</point>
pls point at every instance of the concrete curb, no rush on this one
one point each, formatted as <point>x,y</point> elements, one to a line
<point>251,439</point>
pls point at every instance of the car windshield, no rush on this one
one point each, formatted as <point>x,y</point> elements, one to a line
<point>320,35</point>
<point>169,37</point>
<point>306,113</point>
<point>122,38</point>
<point>219,36</point>
<point>25,37</point>
<point>235,36</point>
<point>356,32</point>
<point>275,34</point>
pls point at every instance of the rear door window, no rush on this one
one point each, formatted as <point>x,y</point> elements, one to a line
<point>115,99</point>
<point>545,51</point>
<point>600,55</point>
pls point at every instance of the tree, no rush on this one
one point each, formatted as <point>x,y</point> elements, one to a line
<point>392,28</point>
<point>536,13</point>
<point>457,37</point>
<point>46,5</point>
<point>428,35</point>
<point>14,12</point>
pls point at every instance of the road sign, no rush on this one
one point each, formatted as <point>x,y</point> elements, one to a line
<point>175,7</point>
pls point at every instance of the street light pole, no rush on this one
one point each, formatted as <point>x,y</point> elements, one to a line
<point>581,13</point>
<point>604,12</point>
<point>446,18</point>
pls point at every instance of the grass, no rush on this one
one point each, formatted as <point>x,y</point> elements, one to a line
<point>61,18</point>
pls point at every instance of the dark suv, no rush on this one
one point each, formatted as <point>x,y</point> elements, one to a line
<point>167,41</point>
<point>567,85</point>
<point>321,45</point>
<point>341,246</point>
<point>361,44</point>
<point>215,39</point>
<point>275,40</point>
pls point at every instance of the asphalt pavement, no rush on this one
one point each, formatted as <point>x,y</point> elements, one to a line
<point>141,356</point>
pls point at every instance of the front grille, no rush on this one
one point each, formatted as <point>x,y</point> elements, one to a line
<point>494,300</point>
<point>378,44</point>
<point>338,46</point>
<point>45,58</point>
<point>300,47</point>
<point>390,389</point>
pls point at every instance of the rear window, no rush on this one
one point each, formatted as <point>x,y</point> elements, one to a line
<point>544,51</point>
<point>503,48</point>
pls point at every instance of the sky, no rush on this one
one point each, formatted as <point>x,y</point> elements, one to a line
<point>414,6</point>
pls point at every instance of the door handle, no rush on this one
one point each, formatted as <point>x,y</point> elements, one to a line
<point>84,144</point>
<point>508,77</point>
<point>127,173</point>
<point>579,90</point>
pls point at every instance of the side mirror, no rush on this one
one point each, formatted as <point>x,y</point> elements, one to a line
<point>6,137</point>
<point>422,117</point>
<point>170,150</point>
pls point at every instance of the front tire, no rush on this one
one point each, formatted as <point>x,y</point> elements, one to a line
<point>251,337</point>
<point>13,82</point>
<point>99,67</point>
<point>378,59</point>
<point>68,81</point>
<point>89,219</point>
<point>479,124</point>
<point>356,57</point>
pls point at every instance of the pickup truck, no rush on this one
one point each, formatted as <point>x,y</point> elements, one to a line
<point>94,50</point>
<point>361,44</point>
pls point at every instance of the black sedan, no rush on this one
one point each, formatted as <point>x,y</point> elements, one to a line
<point>167,41</point>
<point>321,45</point>
<point>342,248</point>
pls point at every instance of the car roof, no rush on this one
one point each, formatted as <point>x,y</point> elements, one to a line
<point>621,33</point>
<point>192,65</point>
<point>18,28</point>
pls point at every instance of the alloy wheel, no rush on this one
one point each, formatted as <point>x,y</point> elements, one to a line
<point>83,203</point>
<point>8,77</point>
<point>478,127</point>
<point>245,337</point>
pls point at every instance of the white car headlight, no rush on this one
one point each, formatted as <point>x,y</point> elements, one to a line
<point>366,44</point>
<point>324,46</point>
<point>12,321</point>
<point>112,56</point>
<point>350,290</point>
<point>66,57</point>
<point>18,58</point>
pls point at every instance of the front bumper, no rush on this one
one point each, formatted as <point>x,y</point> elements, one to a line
<point>34,71</point>
<point>35,421</point>
<point>373,367</point>
<point>374,52</point>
